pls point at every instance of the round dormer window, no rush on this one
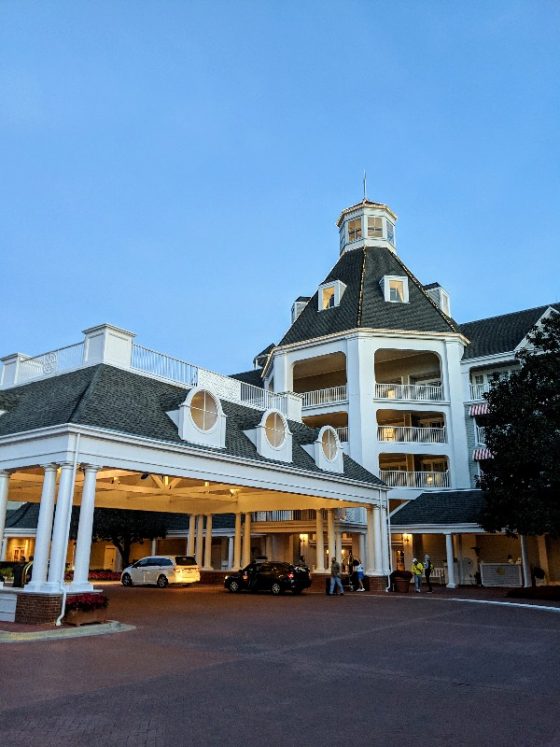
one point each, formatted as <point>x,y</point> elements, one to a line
<point>275,429</point>
<point>329,444</point>
<point>204,410</point>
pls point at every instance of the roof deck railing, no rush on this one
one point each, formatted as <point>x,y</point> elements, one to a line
<point>410,434</point>
<point>53,362</point>
<point>404,479</point>
<point>327,396</point>
<point>430,392</point>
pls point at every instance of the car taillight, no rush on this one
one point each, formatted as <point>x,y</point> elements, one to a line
<point>290,575</point>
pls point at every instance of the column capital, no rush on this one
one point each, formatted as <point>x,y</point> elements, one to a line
<point>49,466</point>
<point>91,467</point>
<point>5,472</point>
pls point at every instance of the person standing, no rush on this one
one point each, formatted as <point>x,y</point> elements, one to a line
<point>335,577</point>
<point>417,569</point>
<point>360,576</point>
<point>428,568</point>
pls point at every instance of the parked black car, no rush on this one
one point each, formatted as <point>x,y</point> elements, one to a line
<point>274,576</point>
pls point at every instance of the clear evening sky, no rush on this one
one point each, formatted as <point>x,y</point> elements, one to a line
<point>177,168</point>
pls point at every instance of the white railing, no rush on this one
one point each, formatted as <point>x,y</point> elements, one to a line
<point>409,391</point>
<point>477,390</point>
<point>176,370</point>
<point>343,434</point>
<point>54,362</point>
<point>298,515</point>
<point>325,396</point>
<point>404,479</point>
<point>406,434</point>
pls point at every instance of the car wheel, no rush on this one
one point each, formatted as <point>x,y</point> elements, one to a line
<point>234,587</point>
<point>162,581</point>
<point>126,580</point>
<point>276,588</point>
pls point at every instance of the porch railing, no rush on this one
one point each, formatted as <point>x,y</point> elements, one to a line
<point>342,434</point>
<point>477,390</point>
<point>54,362</point>
<point>404,479</point>
<point>409,434</point>
<point>325,396</point>
<point>428,392</point>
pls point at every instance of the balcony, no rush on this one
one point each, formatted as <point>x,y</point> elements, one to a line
<point>327,396</point>
<point>409,392</point>
<point>404,479</point>
<point>477,390</point>
<point>342,434</point>
<point>411,435</point>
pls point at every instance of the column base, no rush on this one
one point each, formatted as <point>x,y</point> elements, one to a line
<point>451,586</point>
<point>80,586</point>
<point>44,587</point>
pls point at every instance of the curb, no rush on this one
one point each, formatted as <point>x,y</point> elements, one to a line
<point>56,634</point>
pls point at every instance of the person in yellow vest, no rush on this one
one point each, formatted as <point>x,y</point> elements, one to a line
<point>417,569</point>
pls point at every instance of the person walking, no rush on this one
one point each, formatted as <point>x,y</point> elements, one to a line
<point>417,569</point>
<point>359,570</point>
<point>335,577</point>
<point>428,568</point>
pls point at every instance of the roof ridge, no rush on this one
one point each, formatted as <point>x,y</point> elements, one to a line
<point>73,417</point>
<point>361,295</point>
<point>512,313</point>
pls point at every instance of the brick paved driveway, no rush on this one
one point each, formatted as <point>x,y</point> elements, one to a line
<point>204,667</point>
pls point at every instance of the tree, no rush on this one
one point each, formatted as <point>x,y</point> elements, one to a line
<point>124,527</point>
<point>522,480</point>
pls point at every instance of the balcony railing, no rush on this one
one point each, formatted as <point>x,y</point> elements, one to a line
<point>54,362</point>
<point>415,392</point>
<point>404,479</point>
<point>342,434</point>
<point>173,369</point>
<point>477,390</point>
<point>406,434</point>
<point>297,515</point>
<point>325,396</point>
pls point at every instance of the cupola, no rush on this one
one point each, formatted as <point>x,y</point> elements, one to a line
<point>367,224</point>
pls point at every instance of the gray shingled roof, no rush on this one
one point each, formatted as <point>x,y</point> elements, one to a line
<point>443,507</point>
<point>363,304</point>
<point>501,334</point>
<point>254,377</point>
<point>125,402</point>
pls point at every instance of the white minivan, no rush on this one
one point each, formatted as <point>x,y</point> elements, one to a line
<point>161,570</point>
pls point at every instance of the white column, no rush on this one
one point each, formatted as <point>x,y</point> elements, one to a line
<point>85,529</point>
<point>330,535</point>
<point>525,561</point>
<point>247,540</point>
<point>59,545</point>
<point>543,554</point>
<point>230,552</point>
<point>237,543</point>
<point>199,539</point>
<point>377,544</point>
<point>450,564</point>
<point>320,542</point>
<point>190,538</point>
<point>459,545</point>
<point>269,552</point>
<point>362,552</point>
<point>338,544</point>
<point>385,541</point>
<point>4,481</point>
<point>208,544</point>
<point>370,542</point>
<point>44,529</point>
<point>153,550</point>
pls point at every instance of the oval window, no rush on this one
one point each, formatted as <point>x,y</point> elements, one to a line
<point>204,410</point>
<point>329,444</point>
<point>275,429</point>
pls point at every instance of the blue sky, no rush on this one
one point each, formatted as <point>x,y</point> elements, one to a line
<point>177,168</point>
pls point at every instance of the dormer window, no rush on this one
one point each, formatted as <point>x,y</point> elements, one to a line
<point>395,288</point>
<point>326,450</point>
<point>272,437</point>
<point>375,226</point>
<point>354,229</point>
<point>275,429</point>
<point>330,295</point>
<point>329,444</point>
<point>201,420</point>
<point>204,410</point>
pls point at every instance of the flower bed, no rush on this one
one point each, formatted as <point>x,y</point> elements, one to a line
<point>98,574</point>
<point>85,609</point>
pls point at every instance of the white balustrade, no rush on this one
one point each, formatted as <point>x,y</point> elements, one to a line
<point>325,396</point>
<point>405,479</point>
<point>343,434</point>
<point>53,362</point>
<point>428,392</point>
<point>409,434</point>
<point>477,390</point>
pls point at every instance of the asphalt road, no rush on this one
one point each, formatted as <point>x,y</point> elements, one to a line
<point>205,667</point>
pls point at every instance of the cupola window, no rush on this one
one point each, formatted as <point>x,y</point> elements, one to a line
<point>375,226</point>
<point>327,297</point>
<point>396,291</point>
<point>390,232</point>
<point>354,229</point>
<point>395,288</point>
<point>330,295</point>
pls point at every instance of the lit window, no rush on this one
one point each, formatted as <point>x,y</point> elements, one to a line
<point>396,291</point>
<point>355,229</point>
<point>327,299</point>
<point>204,410</point>
<point>275,429</point>
<point>375,226</point>
<point>390,232</point>
<point>329,444</point>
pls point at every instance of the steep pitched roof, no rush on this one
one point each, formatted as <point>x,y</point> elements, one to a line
<point>254,377</point>
<point>443,507</point>
<point>125,402</point>
<point>500,334</point>
<point>363,304</point>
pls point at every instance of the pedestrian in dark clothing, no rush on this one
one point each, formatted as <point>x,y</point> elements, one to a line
<point>428,568</point>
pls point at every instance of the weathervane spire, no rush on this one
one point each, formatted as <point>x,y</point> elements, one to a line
<point>365,185</point>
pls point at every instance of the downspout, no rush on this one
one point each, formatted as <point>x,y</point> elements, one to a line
<point>63,587</point>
